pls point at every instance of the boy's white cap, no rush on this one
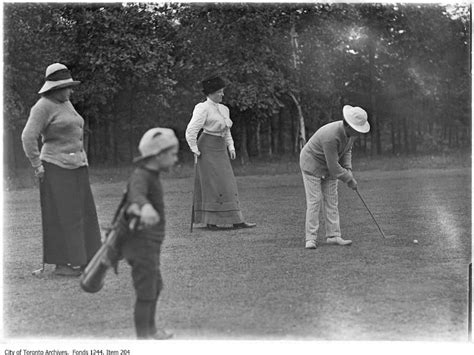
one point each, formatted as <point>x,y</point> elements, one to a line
<point>356,118</point>
<point>154,141</point>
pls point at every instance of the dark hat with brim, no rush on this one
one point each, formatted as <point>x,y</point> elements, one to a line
<point>212,84</point>
<point>57,77</point>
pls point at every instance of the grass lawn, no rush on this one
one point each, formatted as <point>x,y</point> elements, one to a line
<point>261,283</point>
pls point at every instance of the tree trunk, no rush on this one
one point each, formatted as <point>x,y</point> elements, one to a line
<point>258,138</point>
<point>275,134</point>
<point>296,135</point>
<point>131,145</point>
<point>375,141</point>
<point>105,141</point>
<point>399,136</point>
<point>244,155</point>
<point>282,131</point>
<point>9,156</point>
<point>111,136</point>
<point>392,135</point>
<point>301,134</point>
<point>406,136</point>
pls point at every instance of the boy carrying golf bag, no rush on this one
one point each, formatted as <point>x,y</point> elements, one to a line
<point>123,226</point>
<point>158,152</point>
<point>138,230</point>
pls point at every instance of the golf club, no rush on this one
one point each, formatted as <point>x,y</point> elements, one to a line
<point>380,229</point>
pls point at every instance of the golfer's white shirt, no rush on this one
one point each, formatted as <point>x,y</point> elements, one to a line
<point>214,119</point>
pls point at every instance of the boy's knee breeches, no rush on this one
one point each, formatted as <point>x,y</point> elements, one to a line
<point>143,255</point>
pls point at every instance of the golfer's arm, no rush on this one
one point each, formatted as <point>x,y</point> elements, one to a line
<point>346,160</point>
<point>332,161</point>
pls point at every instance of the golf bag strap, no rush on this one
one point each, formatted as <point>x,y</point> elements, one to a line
<point>122,203</point>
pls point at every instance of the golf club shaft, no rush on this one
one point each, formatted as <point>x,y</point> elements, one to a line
<point>367,207</point>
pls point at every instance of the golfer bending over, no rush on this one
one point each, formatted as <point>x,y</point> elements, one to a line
<point>326,158</point>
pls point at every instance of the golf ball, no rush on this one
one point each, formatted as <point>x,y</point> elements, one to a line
<point>415,241</point>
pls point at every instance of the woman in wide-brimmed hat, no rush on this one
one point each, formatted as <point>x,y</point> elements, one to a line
<point>71,233</point>
<point>216,200</point>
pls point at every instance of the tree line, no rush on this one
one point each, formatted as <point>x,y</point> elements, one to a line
<point>290,68</point>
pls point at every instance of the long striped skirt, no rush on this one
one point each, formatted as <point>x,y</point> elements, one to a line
<point>71,233</point>
<point>216,199</point>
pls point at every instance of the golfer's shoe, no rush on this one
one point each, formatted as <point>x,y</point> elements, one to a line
<point>338,241</point>
<point>310,244</point>
<point>161,334</point>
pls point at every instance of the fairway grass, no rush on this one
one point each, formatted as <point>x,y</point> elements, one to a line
<point>261,283</point>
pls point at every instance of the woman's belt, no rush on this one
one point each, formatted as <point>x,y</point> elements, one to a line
<point>216,133</point>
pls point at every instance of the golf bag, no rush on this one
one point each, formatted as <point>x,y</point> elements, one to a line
<point>109,254</point>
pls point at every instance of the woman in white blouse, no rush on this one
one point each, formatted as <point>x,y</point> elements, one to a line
<point>216,200</point>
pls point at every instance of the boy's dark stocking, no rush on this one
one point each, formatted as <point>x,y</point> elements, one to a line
<point>143,310</point>
<point>151,320</point>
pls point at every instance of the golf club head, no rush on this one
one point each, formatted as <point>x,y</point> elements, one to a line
<point>37,272</point>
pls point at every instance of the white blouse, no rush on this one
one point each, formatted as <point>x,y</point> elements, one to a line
<point>214,119</point>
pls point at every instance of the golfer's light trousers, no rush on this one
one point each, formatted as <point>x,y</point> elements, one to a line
<point>319,192</point>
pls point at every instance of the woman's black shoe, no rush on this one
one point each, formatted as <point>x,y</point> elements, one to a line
<point>244,225</point>
<point>212,227</point>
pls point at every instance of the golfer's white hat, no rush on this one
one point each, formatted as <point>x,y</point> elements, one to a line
<point>57,76</point>
<point>356,118</point>
<point>154,141</point>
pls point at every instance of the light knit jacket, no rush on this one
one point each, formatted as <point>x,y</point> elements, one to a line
<point>328,153</point>
<point>214,119</point>
<point>61,129</point>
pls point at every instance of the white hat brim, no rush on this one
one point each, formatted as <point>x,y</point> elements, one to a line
<point>346,112</point>
<point>152,154</point>
<point>60,84</point>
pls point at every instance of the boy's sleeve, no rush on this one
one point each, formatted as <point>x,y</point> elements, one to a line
<point>138,189</point>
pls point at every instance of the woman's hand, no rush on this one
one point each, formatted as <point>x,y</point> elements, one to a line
<point>39,172</point>
<point>149,216</point>
<point>232,154</point>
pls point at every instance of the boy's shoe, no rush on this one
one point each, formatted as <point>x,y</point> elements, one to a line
<point>161,334</point>
<point>310,244</point>
<point>338,241</point>
<point>66,270</point>
<point>212,227</point>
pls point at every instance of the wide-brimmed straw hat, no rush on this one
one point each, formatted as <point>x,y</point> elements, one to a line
<point>57,77</point>
<point>212,84</point>
<point>356,117</point>
<point>154,141</point>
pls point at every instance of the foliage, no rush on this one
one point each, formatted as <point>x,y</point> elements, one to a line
<point>141,65</point>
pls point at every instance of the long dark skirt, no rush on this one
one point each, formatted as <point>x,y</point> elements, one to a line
<point>71,233</point>
<point>216,198</point>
